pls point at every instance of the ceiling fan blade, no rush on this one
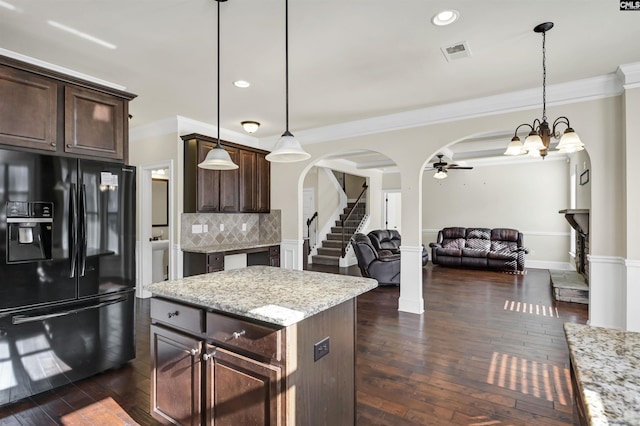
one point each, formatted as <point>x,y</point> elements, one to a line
<point>460,167</point>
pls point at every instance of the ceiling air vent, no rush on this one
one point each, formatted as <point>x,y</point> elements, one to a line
<point>456,51</point>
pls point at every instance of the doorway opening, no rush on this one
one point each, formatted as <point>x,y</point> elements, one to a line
<point>156,249</point>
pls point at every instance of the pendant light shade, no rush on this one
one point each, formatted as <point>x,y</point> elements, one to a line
<point>440,174</point>
<point>287,149</point>
<point>218,158</point>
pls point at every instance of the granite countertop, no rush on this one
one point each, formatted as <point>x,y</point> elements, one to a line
<point>222,248</point>
<point>274,295</point>
<point>606,362</point>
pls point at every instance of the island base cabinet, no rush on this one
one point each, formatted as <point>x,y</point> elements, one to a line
<point>242,391</point>
<point>175,377</point>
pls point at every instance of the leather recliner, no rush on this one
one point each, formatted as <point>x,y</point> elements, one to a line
<point>389,239</point>
<point>383,266</point>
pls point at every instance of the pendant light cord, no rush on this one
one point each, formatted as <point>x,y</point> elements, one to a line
<point>218,76</point>
<point>286,60</point>
<point>544,76</point>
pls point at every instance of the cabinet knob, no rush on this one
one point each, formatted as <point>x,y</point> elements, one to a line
<point>173,314</point>
<point>207,357</point>
<point>69,145</point>
<point>53,144</point>
<point>194,352</point>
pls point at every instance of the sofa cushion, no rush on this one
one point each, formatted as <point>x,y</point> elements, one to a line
<point>454,243</point>
<point>503,255</point>
<point>504,234</point>
<point>470,252</point>
<point>478,244</point>
<point>453,233</point>
<point>443,251</point>
<point>481,233</point>
<point>504,246</point>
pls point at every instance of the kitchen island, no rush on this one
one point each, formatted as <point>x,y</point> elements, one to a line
<point>255,346</point>
<point>605,374</point>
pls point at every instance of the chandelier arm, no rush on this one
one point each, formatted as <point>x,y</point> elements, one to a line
<point>560,120</point>
<point>523,124</point>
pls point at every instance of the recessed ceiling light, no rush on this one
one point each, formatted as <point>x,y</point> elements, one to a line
<point>445,17</point>
<point>243,84</point>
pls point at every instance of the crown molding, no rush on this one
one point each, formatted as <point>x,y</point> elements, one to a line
<point>629,74</point>
<point>57,68</point>
<point>605,86</point>
<point>179,125</point>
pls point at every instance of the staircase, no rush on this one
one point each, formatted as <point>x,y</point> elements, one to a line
<point>330,250</point>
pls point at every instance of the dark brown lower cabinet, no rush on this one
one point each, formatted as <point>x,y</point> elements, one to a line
<point>242,391</point>
<point>176,377</point>
<point>218,369</point>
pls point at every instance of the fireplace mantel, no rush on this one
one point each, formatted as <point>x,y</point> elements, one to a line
<point>578,219</point>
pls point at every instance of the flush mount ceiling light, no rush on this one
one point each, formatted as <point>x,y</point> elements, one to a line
<point>250,126</point>
<point>446,17</point>
<point>287,149</point>
<point>218,158</point>
<point>537,142</point>
<point>243,84</point>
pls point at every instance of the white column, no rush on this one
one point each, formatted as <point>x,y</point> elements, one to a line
<point>607,292</point>
<point>291,254</point>
<point>411,280</point>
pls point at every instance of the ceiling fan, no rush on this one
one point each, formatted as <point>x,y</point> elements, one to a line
<point>441,167</point>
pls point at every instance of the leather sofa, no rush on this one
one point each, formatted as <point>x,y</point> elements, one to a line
<point>383,266</point>
<point>389,239</point>
<point>482,248</point>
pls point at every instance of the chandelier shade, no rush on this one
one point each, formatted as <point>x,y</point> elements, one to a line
<point>537,143</point>
<point>218,158</point>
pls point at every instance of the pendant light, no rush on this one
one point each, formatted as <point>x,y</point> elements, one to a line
<point>218,158</point>
<point>537,142</point>
<point>287,149</point>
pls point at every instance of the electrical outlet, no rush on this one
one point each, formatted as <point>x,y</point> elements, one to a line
<point>205,228</point>
<point>196,229</point>
<point>221,227</point>
<point>244,227</point>
<point>321,349</point>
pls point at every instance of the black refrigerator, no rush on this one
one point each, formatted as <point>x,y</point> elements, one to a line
<point>67,270</point>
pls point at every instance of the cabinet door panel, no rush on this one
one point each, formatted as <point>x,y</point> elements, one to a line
<point>175,377</point>
<point>28,111</point>
<point>263,184</point>
<point>208,182</point>
<point>93,123</point>
<point>229,182</point>
<point>243,391</point>
<point>248,181</point>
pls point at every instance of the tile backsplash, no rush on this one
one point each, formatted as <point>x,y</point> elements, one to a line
<point>258,228</point>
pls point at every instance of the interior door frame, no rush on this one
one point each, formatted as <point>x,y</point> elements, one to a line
<point>385,207</point>
<point>145,264</point>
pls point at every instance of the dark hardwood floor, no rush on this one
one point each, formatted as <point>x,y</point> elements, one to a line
<point>489,350</point>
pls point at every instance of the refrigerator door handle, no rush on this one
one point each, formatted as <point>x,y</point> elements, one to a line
<point>22,319</point>
<point>83,229</point>
<point>73,231</point>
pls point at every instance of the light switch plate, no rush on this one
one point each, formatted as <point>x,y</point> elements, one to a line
<point>205,228</point>
<point>196,229</point>
<point>221,227</point>
<point>244,227</point>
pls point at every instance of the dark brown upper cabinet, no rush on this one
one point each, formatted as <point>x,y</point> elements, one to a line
<point>243,190</point>
<point>28,109</point>
<point>47,110</point>
<point>93,123</point>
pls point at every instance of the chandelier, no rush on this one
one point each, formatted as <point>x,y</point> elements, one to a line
<point>536,144</point>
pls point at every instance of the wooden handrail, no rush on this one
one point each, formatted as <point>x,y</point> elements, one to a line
<point>364,189</point>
